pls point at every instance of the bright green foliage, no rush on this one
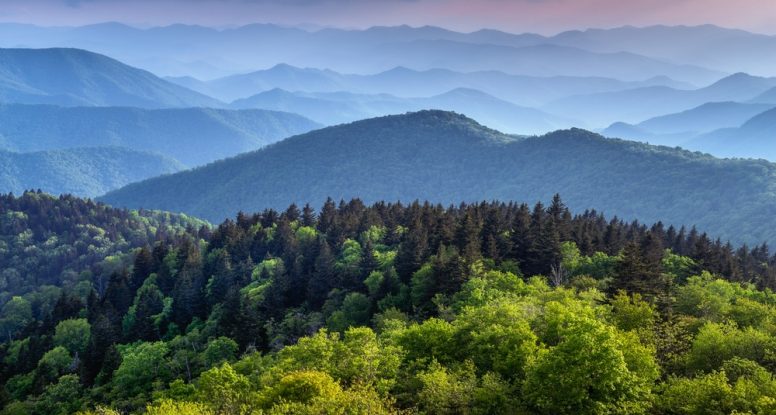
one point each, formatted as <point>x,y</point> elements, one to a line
<point>355,312</point>
<point>62,398</point>
<point>715,343</point>
<point>444,391</point>
<point>490,286</point>
<point>593,370</point>
<point>306,234</point>
<point>224,390</point>
<point>142,366</point>
<point>178,408</point>
<point>599,266</point>
<point>632,313</point>
<point>222,349</point>
<point>497,338</point>
<point>73,335</point>
<point>14,315</point>
<point>56,360</point>
<point>741,387</point>
<point>681,267</point>
<point>270,267</point>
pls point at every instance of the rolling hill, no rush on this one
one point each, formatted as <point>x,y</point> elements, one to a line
<point>447,158</point>
<point>85,172</point>
<point>677,129</point>
<point>767,97</point>
<point>636,105</point>
<point>341,107</point>
<point>193,136</point>
<point>755,139</point>
<point>77,77</point>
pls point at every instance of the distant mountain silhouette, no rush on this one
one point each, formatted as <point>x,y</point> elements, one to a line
<point>767,97</point>
<point>710,46</point>
<point>754,139</point>
<point>679,128</point>
<point>340,107</point>
<point>193,136</point>
<point>639,104</point>
<point>405,82</point>
<point>210,53</point>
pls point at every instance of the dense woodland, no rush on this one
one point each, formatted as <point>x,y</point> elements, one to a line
<point>479,308</point>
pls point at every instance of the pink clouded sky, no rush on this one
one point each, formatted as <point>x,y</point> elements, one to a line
<point>543,16</point>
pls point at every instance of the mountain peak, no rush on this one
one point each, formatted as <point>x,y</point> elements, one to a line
<point>66,76</point>
<point>736,78</point>
<point>433,122</point>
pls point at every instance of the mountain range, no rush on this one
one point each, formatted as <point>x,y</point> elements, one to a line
<point>341,107</point>
<point>753,139</point>
<point>447,158</point>
<point>635,105</point>
<point>211,53</point>
<point>192,136</point>
<point>405,82</point>
<point>679,128</point>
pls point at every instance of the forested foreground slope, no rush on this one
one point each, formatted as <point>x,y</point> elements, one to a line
<point>484,308</point>
<point>447,158</point>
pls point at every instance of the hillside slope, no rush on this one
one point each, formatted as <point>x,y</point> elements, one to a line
<point>83,171</point>
<point>755,138</point>
<point>679,128</point>
<point>78,77</point>
<point>636,105</point>
<point>447,158</point>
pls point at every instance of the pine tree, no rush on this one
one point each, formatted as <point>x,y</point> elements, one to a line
<point>323,278</point>
<point>412,252</point>
<point>141,269</point>
<point>308,216</point>
<point>222,278</point>
<point>640,270</point>
<point>467,236</point>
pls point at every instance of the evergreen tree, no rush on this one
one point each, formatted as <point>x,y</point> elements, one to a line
<point>412,251</point>
<point>324,276</point>
<point>141,269</point>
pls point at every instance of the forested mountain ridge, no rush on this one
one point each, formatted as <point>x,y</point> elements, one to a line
<point>192,136</point>
<point>87,172</point>
<point>74,77</point>
<point>382,309</point>
<point>447,158</point>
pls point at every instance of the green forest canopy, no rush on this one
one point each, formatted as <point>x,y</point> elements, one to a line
<point>478,308</point>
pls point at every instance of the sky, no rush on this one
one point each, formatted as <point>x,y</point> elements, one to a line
<point>540,16</point>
